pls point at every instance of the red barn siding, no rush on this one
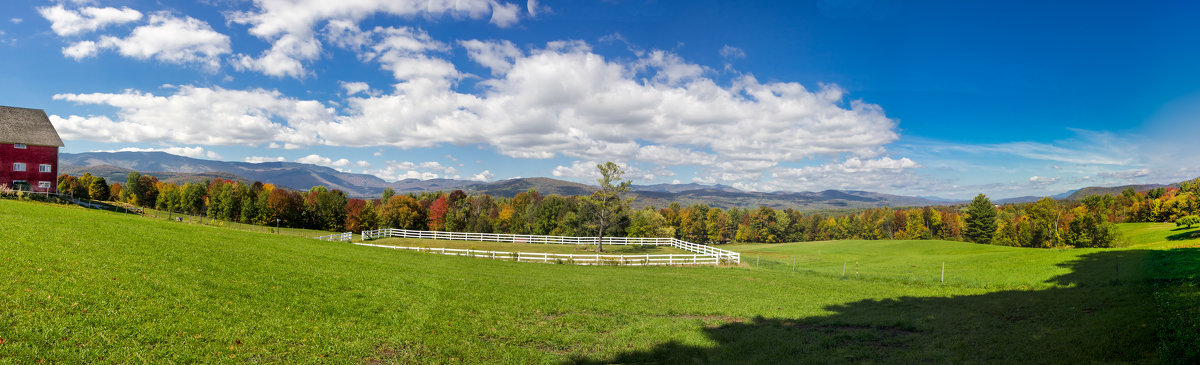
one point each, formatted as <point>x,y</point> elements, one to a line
<point>32,156</point>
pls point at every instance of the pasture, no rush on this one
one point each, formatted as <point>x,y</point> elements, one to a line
<point>91,286</point>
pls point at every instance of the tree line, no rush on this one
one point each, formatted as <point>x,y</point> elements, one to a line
<point>1089,222</point>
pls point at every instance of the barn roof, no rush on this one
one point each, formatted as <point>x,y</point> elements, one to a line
<point>28,126</point>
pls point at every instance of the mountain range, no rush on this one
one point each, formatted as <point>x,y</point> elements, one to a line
<point>115,166</point>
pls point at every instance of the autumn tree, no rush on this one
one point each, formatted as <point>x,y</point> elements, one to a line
<point>1188,221</point>
<point>437,213</point>
<point>981,220</point>
<point>402,211</point>
<point>648,222</point>
<point>98,188</point>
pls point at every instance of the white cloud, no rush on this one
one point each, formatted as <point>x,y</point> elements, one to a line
<point>289,25</point>
<point>559,100</point>
<point>316,159</point>
<point>80,50</point>
<point>261,159</point>
<point>363,164</point>
<point>1042,180</point>
<point>15,20</point>
<point>484,176</point>
<point>67,22</point>
<point>505,15</point>
<point>854,173</point>
<point>587,170</point>
<point>1125,174</point>
<point>731,52</point>
<point>578,169</point>
<point>193,152</point>
<point>211,116</point>
<point>672,156</point>
<point>172,39</point>
<point>353,88</point>
<point>495,55</point>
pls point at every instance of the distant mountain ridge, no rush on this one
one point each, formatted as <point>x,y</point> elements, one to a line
<point>114,166</point>
<point>172,168</point>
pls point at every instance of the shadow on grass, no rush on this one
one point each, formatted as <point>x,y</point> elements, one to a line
<point>1092,316</point>
<point>1194,234</point>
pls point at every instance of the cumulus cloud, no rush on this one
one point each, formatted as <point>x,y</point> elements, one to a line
<point>669,155</point>
<point>1042,180</point>
<point>495,55</point>
<point>395,171</point>
<point>353,88</point>
<point>289,25</point>
<point>212,116</point>
<point>80,50</point>
<point>261,159</point>
<point>193,152</point>
<point>68,22</point>
<point>319,160</point>
<point>560,100</point>
<point>484,176</point>
<point>167,38</point>
<point>588,170</point>
<point>853,173</point>
<point>566,99</point>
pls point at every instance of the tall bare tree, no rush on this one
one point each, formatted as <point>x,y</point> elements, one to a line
<point>608,206</point>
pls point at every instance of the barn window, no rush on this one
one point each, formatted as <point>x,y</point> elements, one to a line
<point>44,167</point>
<point>44,184</point>
<point>19,145</point>
<point>18,166</point>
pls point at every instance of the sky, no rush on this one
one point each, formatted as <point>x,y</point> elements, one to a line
<point>928,98</point>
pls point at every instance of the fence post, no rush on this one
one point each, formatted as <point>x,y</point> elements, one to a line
<point>943,271</point>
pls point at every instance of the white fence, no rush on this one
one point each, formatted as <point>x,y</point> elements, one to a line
<point>338,237</point>
<point>567,258</point>
<point>716,255</point>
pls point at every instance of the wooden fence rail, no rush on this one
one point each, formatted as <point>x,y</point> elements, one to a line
<point>718,255</point>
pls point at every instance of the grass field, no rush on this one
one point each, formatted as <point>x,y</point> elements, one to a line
<point>89,286</point>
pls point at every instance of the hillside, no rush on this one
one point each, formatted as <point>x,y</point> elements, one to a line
<point>286,174</point>
<point>1110,190</point>
<point>127,288</point>
<point>297,176</point>
<point>120,175</point>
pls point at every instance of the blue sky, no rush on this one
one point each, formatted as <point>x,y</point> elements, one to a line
<point>930,98</point>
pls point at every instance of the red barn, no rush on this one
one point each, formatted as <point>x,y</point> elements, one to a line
<point>28,150</point>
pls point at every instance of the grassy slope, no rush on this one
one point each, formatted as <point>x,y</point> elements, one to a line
<point>79,285</point>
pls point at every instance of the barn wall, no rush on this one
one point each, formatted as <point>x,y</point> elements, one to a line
<point>32,156</point>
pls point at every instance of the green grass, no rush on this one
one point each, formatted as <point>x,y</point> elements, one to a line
<point>88,286</point>
<point>1160,235</point>
<point>531,247</point>
<point>198,220</point>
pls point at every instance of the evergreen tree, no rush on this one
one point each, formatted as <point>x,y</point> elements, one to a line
<point>980,220</point>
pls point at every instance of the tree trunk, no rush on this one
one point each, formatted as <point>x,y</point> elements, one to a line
<point>600,242</point>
